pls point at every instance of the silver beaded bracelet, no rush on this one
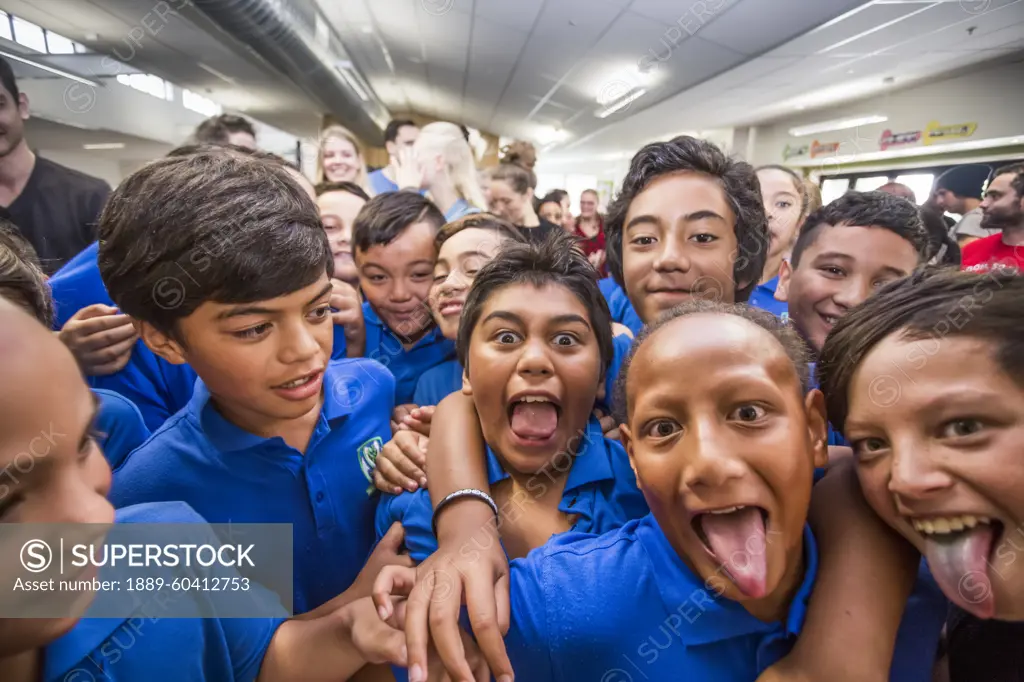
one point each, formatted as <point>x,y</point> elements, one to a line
<point>459,494</point>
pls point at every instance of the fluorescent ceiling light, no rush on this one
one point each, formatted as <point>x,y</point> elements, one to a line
<point>838,124</point>
<point>104,145</point>
<point>620,104</point>
<point>49,69</point>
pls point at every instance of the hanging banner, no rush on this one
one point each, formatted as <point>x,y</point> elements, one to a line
<point>791,152</point>
<point>891,139</point>
<point>935,132</point>
<point>823,148</point>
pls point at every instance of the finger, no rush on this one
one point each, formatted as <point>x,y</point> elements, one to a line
<point>416,450</point>
<point>394,476</point>
<point>387,645</point>
<point>423,414</point>
<point>392,582</point>
<point>410,469</point>
<point>108,352</point>
<point>476,660</point>
<point>599,413</point>
<point>607,424</point>
<point>417,633</point>
<point>444,623</point>
<point>385,486</point>
<point>95,310</point>
<point>482,602</point>
<point>613,434</point>
<point>392,540</point>
<point>96,325</point>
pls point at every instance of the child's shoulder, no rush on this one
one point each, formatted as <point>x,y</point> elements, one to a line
<point>159,512</point>
<point>351,379</point>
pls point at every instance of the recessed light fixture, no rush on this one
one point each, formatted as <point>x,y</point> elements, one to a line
<point>104,145</point>
<point>621,103</point>
<point>838,124</point>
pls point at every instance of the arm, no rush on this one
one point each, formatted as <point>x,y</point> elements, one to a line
<point>865,575</point>
<point>470,561</point>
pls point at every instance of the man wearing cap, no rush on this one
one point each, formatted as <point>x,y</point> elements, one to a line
<point>959,190</point>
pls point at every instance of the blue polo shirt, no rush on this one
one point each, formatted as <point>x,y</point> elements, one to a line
<point>407,365</point>
<point>763,297</point>
<point>624,606</point>
<point>438,382</point>
<point>619,305</point>
<point>120,426</point>
<point>144,647</point>
<point>230,475</point>
<point>460,209</point>
<point>600,491</point>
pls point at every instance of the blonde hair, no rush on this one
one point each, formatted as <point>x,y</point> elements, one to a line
<point>341,133</point>
<point>447,140</point>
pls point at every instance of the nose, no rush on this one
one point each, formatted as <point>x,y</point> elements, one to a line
<point>455,281</point>
<point>534,359</point>
<point>852,292</point>
<point>400,291</point>
<point>916,475</point>
<point>672,257</point>
<point>298,343</point>
<point>710,462</point>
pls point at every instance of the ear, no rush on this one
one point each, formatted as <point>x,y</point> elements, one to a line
<point>23,106</point>
<point>817,426</point>
<point>161,344</point>
<point>626,438</point>
<point>467,388</point>
<point>785,274</point>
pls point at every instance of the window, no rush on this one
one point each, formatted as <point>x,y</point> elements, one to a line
<point>5,26</point>
<point>199,104</point>
<point>870,183</point>
<point>147,83</point>
<point>920,183</point>
<point>58,44</point>
<point>833,188</point>
<point>28,34</point>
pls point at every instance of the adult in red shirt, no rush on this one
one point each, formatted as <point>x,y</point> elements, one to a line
<point>1003,209</point>
<point>590,230</point>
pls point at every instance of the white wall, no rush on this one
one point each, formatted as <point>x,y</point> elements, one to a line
<point>90,164</point>
<point>992,98</point>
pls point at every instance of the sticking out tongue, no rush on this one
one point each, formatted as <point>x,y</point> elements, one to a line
<point>959,563</point>
<point>738,542</point>
<point>534,421</point>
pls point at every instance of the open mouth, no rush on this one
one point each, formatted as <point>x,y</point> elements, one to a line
<point>449,308</point>
<point>736,539</point>
<point>300,386</point>
<point>533,418</point>
<point>829,320</point>
<point>959,551</point>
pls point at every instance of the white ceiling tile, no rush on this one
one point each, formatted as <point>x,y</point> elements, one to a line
<point>515,16</point>
<point>687,16</point>
<point>759,25</point>
<point>852,24</point>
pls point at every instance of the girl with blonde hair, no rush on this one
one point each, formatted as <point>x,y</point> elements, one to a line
<point>444,167</point>
<point>341,158</point>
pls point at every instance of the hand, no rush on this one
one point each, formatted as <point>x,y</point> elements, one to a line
<point>100,338</point>
<point>619,329</point>
<point>418,420</point>
<point>347,311</point>
<point>376,641</point>
<point>408,174</point>
<point>596,258</point>
<point>402,463</point>
<point>608,426</point>
<point>384,554</point>
<point>399,414</point>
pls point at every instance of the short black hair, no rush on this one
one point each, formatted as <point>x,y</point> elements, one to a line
<point>189,149</point>
<point>216,129</point>
<point>350,187</point>
<point>933,303</point>
<point>787,337</point>
<point>391,131</point>
<point>558,195</point>
<point>742,192</point>
<point>552,261</point>
<point>209,226</point>
<point>21,278</point>
<point>865,209</point>
<point>386,216</point>
<point>8,80</point>
<point>1017,170</point>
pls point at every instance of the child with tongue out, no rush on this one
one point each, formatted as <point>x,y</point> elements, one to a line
<point>925,381</point>
<point>713,583</point>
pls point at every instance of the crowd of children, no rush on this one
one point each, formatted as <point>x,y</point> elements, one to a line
<point>484,472</point>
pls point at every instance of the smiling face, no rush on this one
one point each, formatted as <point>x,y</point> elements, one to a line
<point>534,371</point>
<point>459,259</point>
<point>938,443</point>
<point>396,278</point>
<point>551,211</point>
<point>54,470</point>
<point>264,361</point>
<point>782,204</point>
<point>507,203</point>
<point>726,458</point>
<point>338,211</point>
<point>678,243</point>
<point>838,271</point>
<point>588,205</point>
<point>341,160</point>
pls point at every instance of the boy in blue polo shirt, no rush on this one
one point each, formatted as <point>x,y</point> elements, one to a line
<point>619,305</point>
<point>68,484</point>
<point>535,340</point>
<point>393,244</point>
<point>275,431</point>
<point>714,582</point>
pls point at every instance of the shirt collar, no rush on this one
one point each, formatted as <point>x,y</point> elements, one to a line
<point>371,317</point>
<point>714,618</point>
<point>591,464</point>
<point>770,286</point>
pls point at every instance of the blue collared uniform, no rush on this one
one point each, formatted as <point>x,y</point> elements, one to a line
<point>230,475</point>
<point>438,382</point>
<point>763,297</point>
<point>144,647</point>
<point>600,491</point>
<point>120,426</point>
<point>407,365</point>
<point>619,305</point>
<point>460,209</point>
<point>624,606</point>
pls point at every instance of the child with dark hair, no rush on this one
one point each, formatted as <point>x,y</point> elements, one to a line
<point>163,640</point>
<point>395,252</point>
<point>235,282</point>
<point>226,129</point>
<point>119,424</point>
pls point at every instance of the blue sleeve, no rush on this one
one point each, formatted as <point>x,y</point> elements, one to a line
<point>158,388</point>
<point>421,396</point>
<point>147,473</point>
<point>631,320</point>
<point>415,512</point>
<point>248,640</point>
<point>620,345</point>
<point>340,350</point>
<point>529,643</point>
<point>121,426</point>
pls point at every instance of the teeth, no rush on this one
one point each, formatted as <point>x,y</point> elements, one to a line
<point>535,399</point>
<point>296,383</point>
<point>727,510</point>
<point>948,524</point>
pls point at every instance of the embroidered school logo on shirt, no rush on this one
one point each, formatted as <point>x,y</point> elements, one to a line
<point>368,453</point>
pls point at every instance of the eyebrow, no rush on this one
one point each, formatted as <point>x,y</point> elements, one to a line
<point>568,318</point>
<point>262,310</point>
<point>704,214</point>
<point>834,254</point>
<point>504,315</point>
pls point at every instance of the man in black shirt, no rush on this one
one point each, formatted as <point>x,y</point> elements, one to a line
<point>56,208</point>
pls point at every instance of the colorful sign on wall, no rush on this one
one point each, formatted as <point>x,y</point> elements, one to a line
<point>935,132</point>
<point>823,148</point>
<point>891,139</point>
<point>791,152</point>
